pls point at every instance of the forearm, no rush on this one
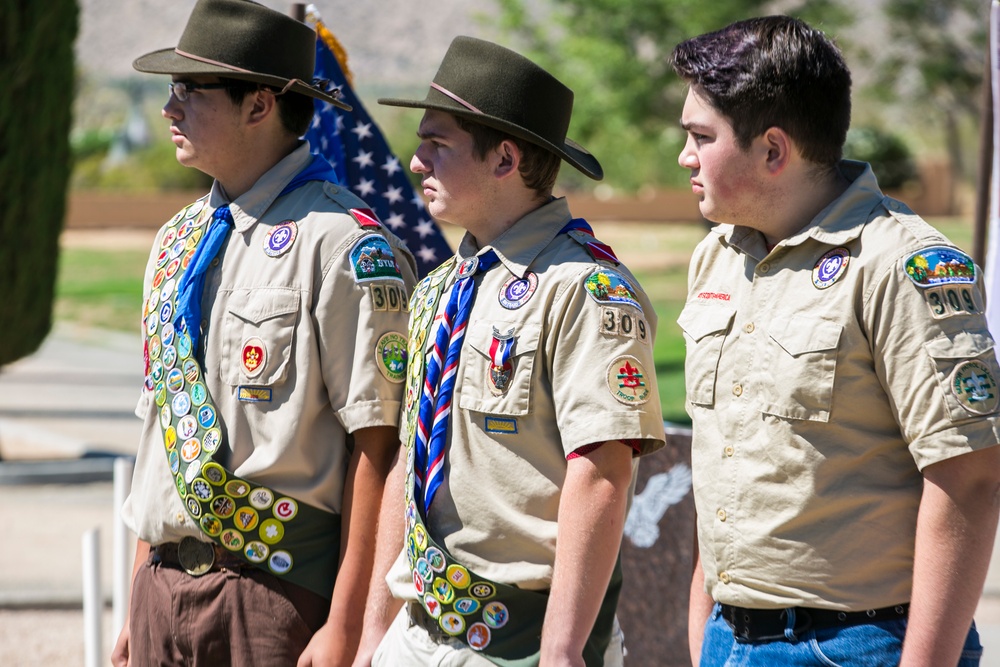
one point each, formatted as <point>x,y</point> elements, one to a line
<point>381,607</point>
<point>591,518</point>
<point>955,532</point>
<point>699,609</point>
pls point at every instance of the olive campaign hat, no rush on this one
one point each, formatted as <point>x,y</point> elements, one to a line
<point>497,87</point>
<point>241,39</point>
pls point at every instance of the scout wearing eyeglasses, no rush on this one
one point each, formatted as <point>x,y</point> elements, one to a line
<point>274,366</point>
<point>840,377</point>
<point>530,391</point>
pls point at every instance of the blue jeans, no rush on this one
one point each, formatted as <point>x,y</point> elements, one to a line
<point>867,645</point>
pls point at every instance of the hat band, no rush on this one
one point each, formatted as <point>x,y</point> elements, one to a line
<point>442,89</point>
<point>212,62</point>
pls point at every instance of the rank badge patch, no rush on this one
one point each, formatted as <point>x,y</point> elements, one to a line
<point>627,381</point>
<point>975,387</point>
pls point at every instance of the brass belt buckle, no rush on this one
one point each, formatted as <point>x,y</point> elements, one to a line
<point>195,556</point>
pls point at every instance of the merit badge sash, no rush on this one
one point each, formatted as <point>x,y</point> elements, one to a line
<point>501,621</point>
<point>270,530</point>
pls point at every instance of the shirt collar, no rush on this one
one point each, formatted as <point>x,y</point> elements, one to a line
<point>518,247</point>
<point>248,208</point>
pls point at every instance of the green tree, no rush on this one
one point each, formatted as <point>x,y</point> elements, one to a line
<point>615,55</point>
<point>37,71</point>
<point>933,60</point>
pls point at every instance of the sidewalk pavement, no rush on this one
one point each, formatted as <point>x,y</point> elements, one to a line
<point>65,413</point>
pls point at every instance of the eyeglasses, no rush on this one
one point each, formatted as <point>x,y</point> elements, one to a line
<point>182,89</point>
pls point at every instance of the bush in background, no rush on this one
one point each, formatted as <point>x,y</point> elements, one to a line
<point>37,71</point>
<point>890,157</point>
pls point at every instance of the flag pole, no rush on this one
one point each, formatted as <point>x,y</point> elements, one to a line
<point>983,185</point>
<point>298,11</point>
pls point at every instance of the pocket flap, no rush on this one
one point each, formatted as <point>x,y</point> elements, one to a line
<point>805,335</point>
<point>256,306</point>
<point>699,320</point>
<point>960,345</point>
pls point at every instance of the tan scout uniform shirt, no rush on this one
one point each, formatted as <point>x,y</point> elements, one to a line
<point>818,394</point>
<point>318,327</point>
<point>506,459</point>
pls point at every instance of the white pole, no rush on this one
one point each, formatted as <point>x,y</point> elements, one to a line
<point>121,566</point>
<point>93,604</point>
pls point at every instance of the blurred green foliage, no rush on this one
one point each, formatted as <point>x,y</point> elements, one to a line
<point>36,68</point>
<point>890,157</point>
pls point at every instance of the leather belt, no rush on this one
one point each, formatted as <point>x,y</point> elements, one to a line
<point>754,625</point>
<point>196,557</point>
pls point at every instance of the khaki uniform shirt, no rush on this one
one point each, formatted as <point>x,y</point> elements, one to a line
<point>821,379</point>
<point>496,511</point>
<point>316,320</point>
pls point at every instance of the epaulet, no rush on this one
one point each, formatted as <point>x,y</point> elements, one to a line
<point>365,217</point>
<point>599,251</point>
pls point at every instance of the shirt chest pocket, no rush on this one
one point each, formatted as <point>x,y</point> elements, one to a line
<point>705,328</point>
<point>503,389</point>
<point>260,331</point>
<point>801,368</point>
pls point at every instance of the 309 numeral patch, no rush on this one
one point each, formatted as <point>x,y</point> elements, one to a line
<point>619,322</point>
<point>948,300</point>
<point>387,296</point>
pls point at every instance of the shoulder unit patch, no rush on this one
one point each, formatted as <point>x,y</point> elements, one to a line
<point>372,259</point>
<point>940,265</point>
<point>607,286</point>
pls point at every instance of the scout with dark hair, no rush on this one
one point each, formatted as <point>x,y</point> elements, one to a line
<point>273,380</point>
<point>840,377</point>
<point>531,391</point>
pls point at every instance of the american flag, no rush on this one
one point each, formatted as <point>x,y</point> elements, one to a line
<point>354,145</point>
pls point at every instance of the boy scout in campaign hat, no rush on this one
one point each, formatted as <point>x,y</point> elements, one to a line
<point>530,393</point>
<point>273,379</point>
<point>840,378</point>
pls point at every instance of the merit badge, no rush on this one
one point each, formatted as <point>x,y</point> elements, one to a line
<point>181,405</point>
<point>168,238</point>
<point>452,623</point>
<point>516,291</point>
<point>160,394</point>
<point>285,509</point>
<point>183,345</point>
<point>280,238</point>
<point>192,472</point>
<point>170,438</point>
<point>424,568</point>
<point>607,286</point>
<point>181,487</point>
<point>435,558</point>
<point>246,518</point>
<point>271,531</point>
<point>975,387</point>
<point>190,449</point>
<point>830,267</point>
<point>418,583</point>
<point>390,356</point>
<point>191,371</point>
<point>256,552</point>
<point>237,488</point>
<point>165,416</point>
<point>166,310</point>
<point>232,539</point>
<point>261,498</point>
<point>501,366</point>
<point>444,591</point>
<point>495,614</point>
<point>280,562</point>
<point>627,381</point>
<point>467,606</point>
<point>478,636</point>
<point>206,416</point>
<point>155,347</point>
<point>177,248</point>
<point>253,357</point>
<point>458,576</point>
<point>372,259</point>
<point>211,525</point>
<point>195,208</point>
<point>214,473</point>
<point>212,440</point>
<point>170,357</point>
<point>223,507</point>
<point>175,380</point>
<point>156,371</point>
<point>193,508</point>
<point>174,460</point>
<point>482,590</point>
<point>202,489</point>
<point>940,265</point>
<point>198,393</point>
<point>432,605</point>
<point>173,266</point>
<point>187,427</point>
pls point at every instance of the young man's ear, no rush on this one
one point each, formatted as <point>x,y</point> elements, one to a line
<point>777,147</point>
<point>262,104</point>
<point>508,157</point>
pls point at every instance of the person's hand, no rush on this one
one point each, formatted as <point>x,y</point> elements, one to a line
<point>327,648</point>
<point>120,654</point>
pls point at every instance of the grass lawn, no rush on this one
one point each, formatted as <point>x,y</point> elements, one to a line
<point>103,287</point>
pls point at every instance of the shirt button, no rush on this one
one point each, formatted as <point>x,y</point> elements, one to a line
<point>730,451</point>
<point>721,514</point>
<point>764,268</point>
<point>215,262</point>
<point>180,517</point>
<point>738,389</point>
<point>748,327</point>
<point>724,577</point>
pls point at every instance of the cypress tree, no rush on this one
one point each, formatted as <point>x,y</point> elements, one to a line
<point>37,77</point>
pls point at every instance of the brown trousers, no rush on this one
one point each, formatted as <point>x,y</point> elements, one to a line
<point>240,618</point>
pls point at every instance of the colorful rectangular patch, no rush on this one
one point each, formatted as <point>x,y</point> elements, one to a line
<point>504,425</point>
<point>254,394</point>
<point>372,259</point>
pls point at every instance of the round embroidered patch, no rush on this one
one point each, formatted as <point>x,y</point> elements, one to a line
<point>190,450</point>
<point>607,286</point>
<point>253,356</point>
<point>256,552</point>
<point>458,576</point>
<point>975,387</point>
<point>223,507</point>
<point>280,562</point>
<point>271,531</point>
<point>830,267</point>
<point>467,606</point>
<point>627,381</point>
<point>495,614</point>
<point>285,509</point>
<point>280,238</point>
<point>232,539</point>
<point>940,265</point>
<point>478,636</point>
<point>452,623</point>
<point>516,291</point>
<point>246,518</point>
<point>390,356</point>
